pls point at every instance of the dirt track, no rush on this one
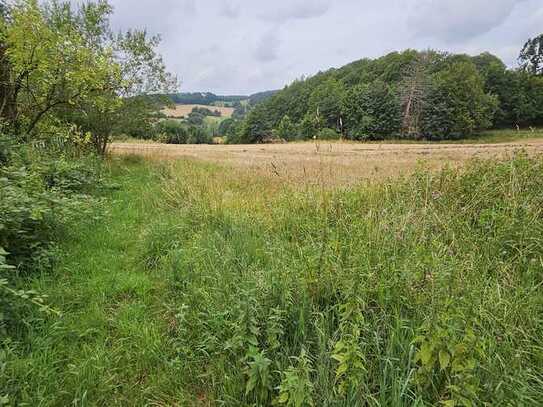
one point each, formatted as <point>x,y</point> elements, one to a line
<point>336,161</point>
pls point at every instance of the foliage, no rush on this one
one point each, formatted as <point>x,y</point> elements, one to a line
<point>256,127</point>
<point>522,100</point>
<point>328,134</point>
<point>177,132</point>
<point>37,195</point>
<point>232,130</point>
<point>197,135</point>
<point>371,112</point>
<point>225,127</point>
<point>326,100</point>
<point>195,119</point>
<point>171,132</point>
<point>286,130</point>
<point>206,112</point>
<point>296,388</point>
<point>50,62</point>
<point>65,62</point>
<point>412,94</point>
<point>42,193</point>
<point>458,105</point>
<point>447,359</point>
<point>348,351</point>
<point>531,56</point>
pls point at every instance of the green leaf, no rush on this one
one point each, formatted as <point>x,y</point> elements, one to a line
<point>283,398</point>
<point>444,359</point>
<point>338,357</point>
<point>425,353</point>
<point>341,370</point>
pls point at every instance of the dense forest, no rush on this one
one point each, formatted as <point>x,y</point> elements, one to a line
<point>410,94</point>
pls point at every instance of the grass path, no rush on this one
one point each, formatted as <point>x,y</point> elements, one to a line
<point>110,347</point>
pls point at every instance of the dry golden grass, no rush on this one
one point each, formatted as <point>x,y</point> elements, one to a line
<point>181,111</point>
<point>329,163</point>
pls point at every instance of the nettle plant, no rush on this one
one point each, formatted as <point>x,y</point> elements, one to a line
<point>296,388</point>
<point>447,357</point>
<point>10,294</point>
<point>348,350</point>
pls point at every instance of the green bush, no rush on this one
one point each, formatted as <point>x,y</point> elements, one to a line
<point>35,202</point>
<point>6,148</point>
<point>171,132</point>
<point>197,135</point>
<point>329,134</point>
<point>40,196</point>
<point>176,132</point>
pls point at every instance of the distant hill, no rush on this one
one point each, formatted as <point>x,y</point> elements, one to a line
<point>209,98</point>
<point>261,96</point>
<point>203,98</point>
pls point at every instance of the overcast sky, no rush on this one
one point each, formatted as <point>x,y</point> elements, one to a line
<point>245,46</point>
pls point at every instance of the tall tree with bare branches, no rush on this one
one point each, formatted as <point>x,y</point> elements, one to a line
<point>413,91</point>
<point>531,56</point>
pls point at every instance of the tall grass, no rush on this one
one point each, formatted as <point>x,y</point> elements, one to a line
<point>420,291</point>
<point>208,286</point>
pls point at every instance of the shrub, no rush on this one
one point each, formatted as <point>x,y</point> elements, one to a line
<point>171,132</point>
<point>41,193</point>
<point>328,134</point>
<point>6,147</point>
<point>197,135</point>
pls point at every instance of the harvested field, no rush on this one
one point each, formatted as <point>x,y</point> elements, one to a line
<point>181,111</point>
<point>330,163</point>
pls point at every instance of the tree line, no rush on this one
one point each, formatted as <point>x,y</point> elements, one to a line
<point>411,94</point>
<point>204,98</point>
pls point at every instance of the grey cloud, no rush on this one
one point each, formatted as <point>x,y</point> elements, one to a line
<point>267,47</point>
<point>189,7</point>
<point>230,10</point>
<point>455,21</point>
<point>244,46</point>
<point>296,9</point>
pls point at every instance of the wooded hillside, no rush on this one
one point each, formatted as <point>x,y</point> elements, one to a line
<point>410,94</point>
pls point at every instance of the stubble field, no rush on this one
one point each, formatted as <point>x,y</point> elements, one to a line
<point>335,163</point>
<point>181,111</point>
